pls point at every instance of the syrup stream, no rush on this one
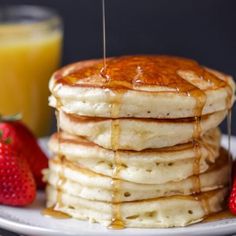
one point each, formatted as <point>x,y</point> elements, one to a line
<point>104,68</point>
<point>116,221</point>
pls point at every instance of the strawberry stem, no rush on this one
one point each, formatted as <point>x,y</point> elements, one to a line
<point>10,118</point>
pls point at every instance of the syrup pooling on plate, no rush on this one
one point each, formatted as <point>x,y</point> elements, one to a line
<point>219,216</point>
<point>51,212</point>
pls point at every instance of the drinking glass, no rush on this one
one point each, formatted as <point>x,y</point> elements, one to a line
<point>30,51</point>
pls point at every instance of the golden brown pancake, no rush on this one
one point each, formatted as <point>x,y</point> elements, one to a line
<point>141,86</point>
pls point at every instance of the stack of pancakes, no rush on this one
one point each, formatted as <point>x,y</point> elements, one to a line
<point>138,143</point>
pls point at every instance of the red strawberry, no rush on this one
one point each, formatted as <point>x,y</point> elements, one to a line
<point>17,185</point>
<point>232,197</point>
<point>24,141</point>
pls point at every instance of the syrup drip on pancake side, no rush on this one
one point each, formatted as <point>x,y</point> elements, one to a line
<point>116,221</point>
<point>200,99</point>
<point>204,197</point>
<point>204,200</point>
<point>229,125</point>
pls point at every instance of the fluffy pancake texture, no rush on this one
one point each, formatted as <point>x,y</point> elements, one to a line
<point>81,182</point>
<point>147,167</point>
<point>137,142</point>
<point>142,86</point>
<point>144,133</point>
<point>161,212</point>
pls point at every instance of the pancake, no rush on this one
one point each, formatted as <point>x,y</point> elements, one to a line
<point>152,133</point>
<point>138,143</point>
<point>160,212</point>
<point>73,179</point>
<point>149,166</point>
<point>141,86</point>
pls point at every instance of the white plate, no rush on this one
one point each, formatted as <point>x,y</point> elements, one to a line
<point>29,221</point>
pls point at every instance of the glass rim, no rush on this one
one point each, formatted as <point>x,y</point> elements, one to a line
<point>27,14</point>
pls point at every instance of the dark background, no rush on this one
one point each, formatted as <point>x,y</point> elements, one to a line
<point>204,30</point>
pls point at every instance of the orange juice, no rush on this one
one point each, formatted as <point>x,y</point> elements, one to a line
<point>29,54</point>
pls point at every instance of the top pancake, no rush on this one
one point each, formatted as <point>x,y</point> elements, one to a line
<point>141,86</point>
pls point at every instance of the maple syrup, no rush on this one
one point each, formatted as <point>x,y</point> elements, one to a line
<point>226,214</point>
<point>200,100</point>
<point>51,212</point>
<point>229,123</point>
<point>130,72</point>
<point>196,168</point>
<point>103,70</point>
<point>116,221</point>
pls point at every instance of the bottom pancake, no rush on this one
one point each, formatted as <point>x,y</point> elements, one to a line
<point>160,212</point>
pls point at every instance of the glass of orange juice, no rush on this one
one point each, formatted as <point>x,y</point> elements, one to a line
<point>30,51</point>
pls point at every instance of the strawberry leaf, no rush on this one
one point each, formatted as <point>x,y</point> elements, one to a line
<point>10,118</point>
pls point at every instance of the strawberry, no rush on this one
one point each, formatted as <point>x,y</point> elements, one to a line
<point>232,197</point>
<point>23,140</point>
<point>17,185</point>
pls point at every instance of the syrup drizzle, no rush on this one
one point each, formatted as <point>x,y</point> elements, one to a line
<point>116,221</point>
<point>51,212</point>
<point>200,100</point>
<point>122,74</point>
<point>196,167</point>
<point>228,102</point>
<point>229,123</point>
<point>103,71</point>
